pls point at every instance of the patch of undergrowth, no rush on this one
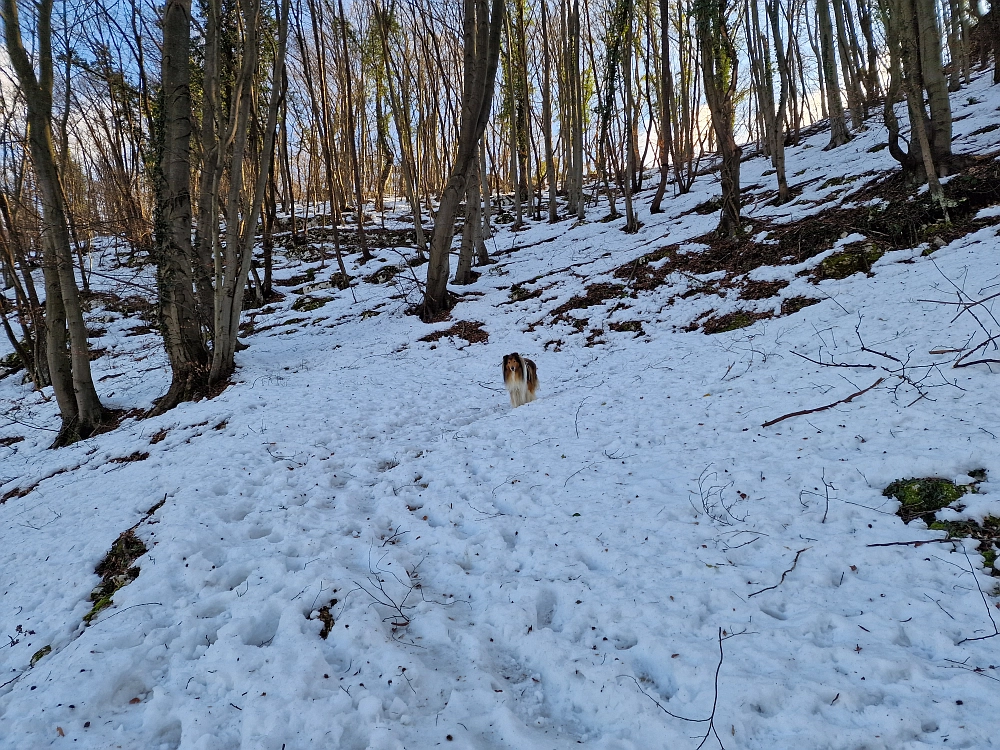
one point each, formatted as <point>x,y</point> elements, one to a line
<point>855,258</point>
<point>40,654</point>
<point>733,321</point>
<point>116,570</point>
<point>628,326</point>
<point>325,616</point>
<point>383,275</point>
<point>921,498</point>
<point>899,220</point>
<point>308,303</point>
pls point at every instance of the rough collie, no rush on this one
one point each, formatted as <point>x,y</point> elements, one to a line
<point>521,379</point>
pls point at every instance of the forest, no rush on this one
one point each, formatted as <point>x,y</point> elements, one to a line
<point>264,484</point>
<point>201,137</point>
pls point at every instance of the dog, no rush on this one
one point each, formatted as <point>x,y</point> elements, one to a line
<point>521,379</point>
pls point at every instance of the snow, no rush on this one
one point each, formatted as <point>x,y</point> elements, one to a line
<point>559,569</point>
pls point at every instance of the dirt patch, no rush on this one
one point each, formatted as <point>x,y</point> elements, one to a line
<point>519,294</point>
<point>791,305</point>
<point>9,441</point>
<point>383,275</point>
<point>325,616</point>
<point>595,294</point>
<point>649,271</point>
<point>158,436</point>
<point>628,326</point>
<point>132,306</point>
<point>470,330</point>
<point>132,458</point>
<point>754,290</point>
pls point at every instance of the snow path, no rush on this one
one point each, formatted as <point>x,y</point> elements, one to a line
<point>560,556</point>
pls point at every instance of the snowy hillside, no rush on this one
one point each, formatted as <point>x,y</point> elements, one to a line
<point>631,561</point>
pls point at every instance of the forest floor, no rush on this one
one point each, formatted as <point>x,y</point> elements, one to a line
<point>360,544</point>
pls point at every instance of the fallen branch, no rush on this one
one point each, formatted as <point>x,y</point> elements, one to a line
<point>824,408</point>
<point>794,563</point>
<point>723,636</point>
<point>989,611</point>
<point>832,364</point>
<point>915,543</point>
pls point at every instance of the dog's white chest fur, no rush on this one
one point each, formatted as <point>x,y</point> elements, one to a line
<point>519,393</point>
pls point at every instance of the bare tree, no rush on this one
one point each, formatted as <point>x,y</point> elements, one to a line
<point>481,59</point>
<point>68,356</point>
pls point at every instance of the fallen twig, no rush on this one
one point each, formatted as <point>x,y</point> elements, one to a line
<point>794,563</point>
<point>824,408</point>
<point>915,543</point>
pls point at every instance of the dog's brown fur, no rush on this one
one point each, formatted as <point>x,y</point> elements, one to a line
<point>521,378</point>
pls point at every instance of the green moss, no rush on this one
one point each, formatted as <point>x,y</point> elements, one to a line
<point>989,557</point>
<point>40,654</point>
<point>925,495</point>
<point>848,262</point>
<point>306,303</point>
<point>99,606</point>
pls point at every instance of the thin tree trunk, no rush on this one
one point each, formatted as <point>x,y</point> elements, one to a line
<point>79,405</point>
<point>839,135</point>
<point>173,250</point>
<point>482,56</point>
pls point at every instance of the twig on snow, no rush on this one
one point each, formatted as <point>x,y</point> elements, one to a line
<point>989,612</point>
<point>710,720</point>
<point>824,408</point>
<point>794,563</point>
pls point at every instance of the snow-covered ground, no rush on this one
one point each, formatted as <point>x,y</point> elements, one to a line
<point>611,565</point>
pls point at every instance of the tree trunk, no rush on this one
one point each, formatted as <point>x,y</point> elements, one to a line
<point>472,231</point>
<point>243,210</point>
<point>719,71</point>
<point>839,135</point>
<point>482,57</point>
<point>173,250</point>
<point>79,405</point>
<point>550,164</point>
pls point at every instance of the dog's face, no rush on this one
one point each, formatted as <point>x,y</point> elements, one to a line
<point>512,366</point>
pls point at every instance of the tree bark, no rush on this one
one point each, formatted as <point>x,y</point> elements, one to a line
<point>839,135</point>
<point>173,250</point>
<point>482,57</point>
<point>719,71</point>
<point>79,406</point>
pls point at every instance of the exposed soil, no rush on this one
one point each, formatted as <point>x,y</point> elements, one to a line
<point>471,331</point>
